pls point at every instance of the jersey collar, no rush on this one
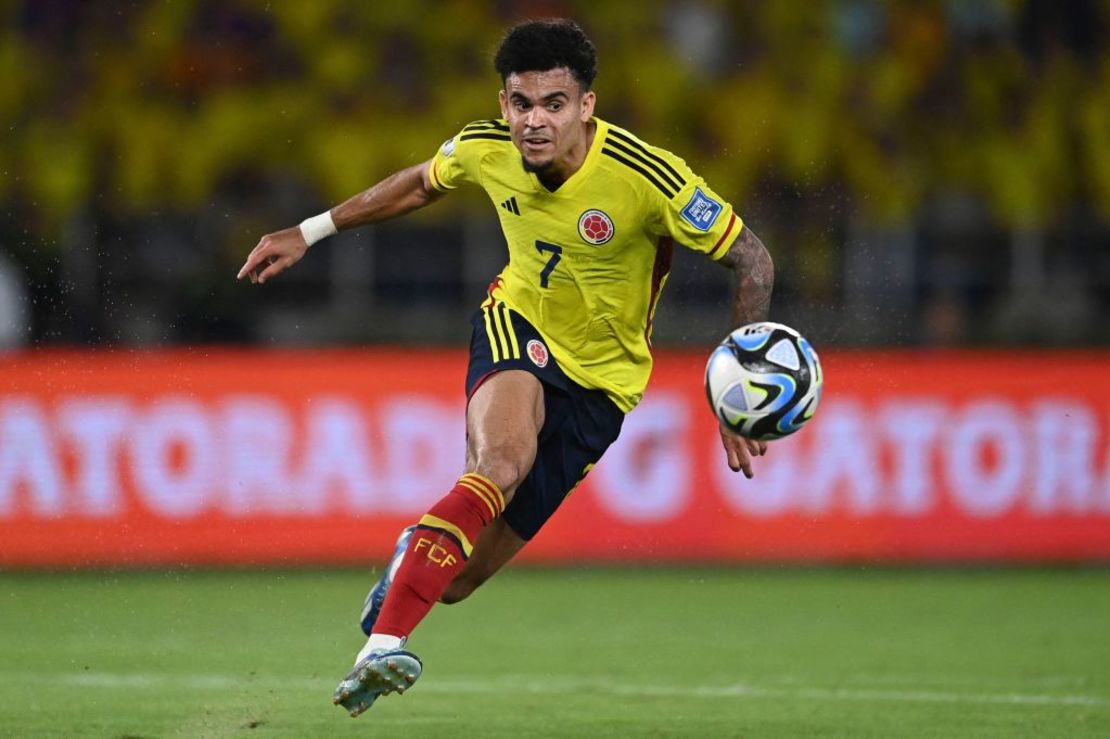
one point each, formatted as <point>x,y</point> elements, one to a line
<point>573,182</point>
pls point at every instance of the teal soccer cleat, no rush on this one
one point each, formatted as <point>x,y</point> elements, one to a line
<point>379,673</point>
<point>374,599</point>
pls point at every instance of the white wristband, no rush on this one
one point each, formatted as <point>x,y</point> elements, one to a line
<point>317,227</point>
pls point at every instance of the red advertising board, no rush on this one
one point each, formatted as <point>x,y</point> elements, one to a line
<point>208,456</point>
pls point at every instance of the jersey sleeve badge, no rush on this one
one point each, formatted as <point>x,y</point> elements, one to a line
<point>702,211</point>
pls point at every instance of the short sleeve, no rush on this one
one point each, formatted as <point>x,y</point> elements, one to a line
<point>700,219</point>
<point>446,172</point>
<point>456,162</point>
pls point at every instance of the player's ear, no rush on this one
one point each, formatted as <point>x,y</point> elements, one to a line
<point>587,110</point>
<point>503,101</point>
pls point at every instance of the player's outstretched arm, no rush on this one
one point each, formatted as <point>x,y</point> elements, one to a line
<point>400,193</point>
<point>755,278</point>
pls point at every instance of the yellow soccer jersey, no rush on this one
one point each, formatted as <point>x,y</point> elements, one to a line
<point>588,261</point>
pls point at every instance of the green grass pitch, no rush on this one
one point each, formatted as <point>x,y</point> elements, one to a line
<point>567,653</point>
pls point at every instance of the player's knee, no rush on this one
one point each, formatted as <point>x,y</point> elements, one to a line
<point>507,470</point>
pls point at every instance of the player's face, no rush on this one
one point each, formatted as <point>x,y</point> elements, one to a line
<point>546,112</point>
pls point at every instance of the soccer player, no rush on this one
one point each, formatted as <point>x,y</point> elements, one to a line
<point>560,348</point>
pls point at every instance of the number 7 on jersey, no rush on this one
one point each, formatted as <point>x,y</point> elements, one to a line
<point>556,255</point>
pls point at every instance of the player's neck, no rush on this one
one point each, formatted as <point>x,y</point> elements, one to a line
<point>575,158</point>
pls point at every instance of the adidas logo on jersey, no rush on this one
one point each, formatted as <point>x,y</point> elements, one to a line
<point>511,206</point>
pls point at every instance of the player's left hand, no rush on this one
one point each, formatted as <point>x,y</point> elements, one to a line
<point>740,451</point>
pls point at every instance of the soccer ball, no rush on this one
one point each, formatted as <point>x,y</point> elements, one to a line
<point>764,381</point>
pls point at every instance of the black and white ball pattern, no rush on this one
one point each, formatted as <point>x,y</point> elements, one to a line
<point>764,381</point>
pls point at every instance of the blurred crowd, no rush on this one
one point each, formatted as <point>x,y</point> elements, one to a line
<point>933,172</point>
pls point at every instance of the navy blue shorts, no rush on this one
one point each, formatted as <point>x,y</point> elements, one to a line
<point>579,424</point>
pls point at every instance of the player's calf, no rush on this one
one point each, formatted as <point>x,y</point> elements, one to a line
<point>439,547</point>
<point>461,587</point>
<point>497,544</point>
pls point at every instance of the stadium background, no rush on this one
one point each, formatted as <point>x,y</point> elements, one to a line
<point>926,173</point>
<point>197,474</point>
<point>933,180</point>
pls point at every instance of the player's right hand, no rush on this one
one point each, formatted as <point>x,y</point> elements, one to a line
<point>274,254</point>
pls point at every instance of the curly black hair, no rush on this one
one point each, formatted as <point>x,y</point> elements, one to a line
<point>537,46</point>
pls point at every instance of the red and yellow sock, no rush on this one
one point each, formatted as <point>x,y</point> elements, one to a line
<point>443,540</point>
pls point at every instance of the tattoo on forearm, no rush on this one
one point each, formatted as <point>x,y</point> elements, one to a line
<point>755,277</point>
